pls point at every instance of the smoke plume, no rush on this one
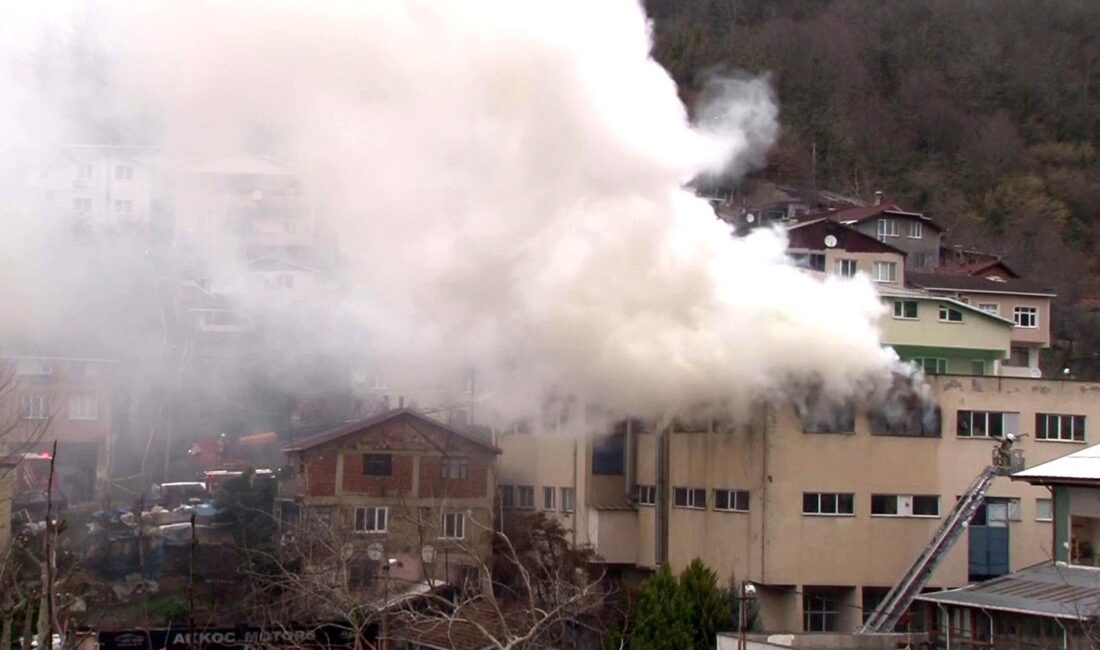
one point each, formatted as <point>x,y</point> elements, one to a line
<point>504,181</point>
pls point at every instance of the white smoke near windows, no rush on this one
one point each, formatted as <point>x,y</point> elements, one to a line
<point>505,181</point>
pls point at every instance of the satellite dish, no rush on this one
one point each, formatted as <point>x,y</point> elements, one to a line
<point>374,551</point>
<point>257,195</point>
<point>750,217</point>
<point>427,554</point>
<point>830,241</point>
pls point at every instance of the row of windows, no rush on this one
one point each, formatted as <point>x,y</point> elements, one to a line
<point>375,520</point>
<point>725,500</point>
<point>907,505</point>
<point>526,494</point>
<point>382,465</point>
<point>121,172</point>
<point>881,271</point>
<point>37,407</point>
<point>1024,317</point>
<point>995,424</point>
<point>891,228</point>
<point>968,424</point>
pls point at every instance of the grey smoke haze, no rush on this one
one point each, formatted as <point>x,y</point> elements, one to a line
<point>505,181</point>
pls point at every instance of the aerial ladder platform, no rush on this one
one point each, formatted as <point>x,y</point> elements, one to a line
<point>885,617</point>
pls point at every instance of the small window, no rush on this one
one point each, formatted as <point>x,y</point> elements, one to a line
<point>526,496</point>
<point>371,520</point>
<point>950,314</point>
<point>687,497</point>
<point>507,496</point>
<point>378,464</point>
<point>846,268</point>
<point>549,498</point>
<point>1017,357</point>
<point>82,206</point>
<point>567,499</point>
<point>1026,317</point>
<point>977,367</point>
<point>916,229</point>
<point>828,503</point>
<point>885,272</point>
<point>888,228</point>
<point>83,407</point>
<point>290,225</point>
<point>926,505</point>
<point>454,525</point>
<point>124,173</point>
<point>34,407</point>
<point>34,368</point>
<point>820,611</point>
<point>1051,426</point>
<point>990,308</point>
<point>124,207</point>
<point>454,468</point>
<point>905,309</point>
<point>1044,510</point>
<point>731,500</point>
<point>85,171</point>
<point>931,365</point>
<point>986,424</point>
<point>646,495</point>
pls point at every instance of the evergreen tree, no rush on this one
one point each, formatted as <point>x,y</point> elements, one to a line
<point>710,606</point>
<point>662,617</point>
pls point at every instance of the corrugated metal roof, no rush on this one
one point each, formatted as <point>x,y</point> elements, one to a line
<point>1056,590</point>
<point>357,426</point>
<point>1083,465</point>
<point>976,284</point>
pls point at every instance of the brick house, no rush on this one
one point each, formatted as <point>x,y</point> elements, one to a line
<point>400,486</point>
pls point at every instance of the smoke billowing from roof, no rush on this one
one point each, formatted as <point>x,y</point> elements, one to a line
<point>505,181</point>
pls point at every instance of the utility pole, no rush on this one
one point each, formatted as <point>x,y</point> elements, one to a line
<point>191,588</point>
<point>49,547</point>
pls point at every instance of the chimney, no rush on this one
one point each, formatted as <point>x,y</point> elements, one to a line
<point>878,197</point>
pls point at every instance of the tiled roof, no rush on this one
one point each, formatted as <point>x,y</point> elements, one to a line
<point>1055,590</point>
<point>976,283</point>
<point>356,426</point>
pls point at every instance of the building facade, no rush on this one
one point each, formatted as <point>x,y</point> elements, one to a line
<point>823,523</point>
<point>68,400</point>
<point>401,486</point>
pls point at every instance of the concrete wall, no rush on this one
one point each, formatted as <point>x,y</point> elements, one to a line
<point>1006,303</point>
<point>865,263</point>
<point>7,484</point>
<point>975,332</point>
<point>928,244</point>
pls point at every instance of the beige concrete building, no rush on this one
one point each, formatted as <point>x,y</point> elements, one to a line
<point>823,523</point>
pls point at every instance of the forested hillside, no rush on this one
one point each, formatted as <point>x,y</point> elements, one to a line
<point>984,114</point>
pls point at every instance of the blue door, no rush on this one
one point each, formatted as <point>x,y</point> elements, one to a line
<point>989,541</point>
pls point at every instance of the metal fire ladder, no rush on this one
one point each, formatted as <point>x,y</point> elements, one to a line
<point>897,602</point>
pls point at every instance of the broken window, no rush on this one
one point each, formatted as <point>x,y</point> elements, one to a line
<point>905,411</point>
<point>607,455</point>
<point>986,424</point>
<point>820,414</point>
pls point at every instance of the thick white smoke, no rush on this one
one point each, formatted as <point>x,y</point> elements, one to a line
<point>506,182</point>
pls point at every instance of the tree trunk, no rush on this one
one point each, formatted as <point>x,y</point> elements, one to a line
<point>44,640</point>
<point>28,623</point>
<point>5,629</point>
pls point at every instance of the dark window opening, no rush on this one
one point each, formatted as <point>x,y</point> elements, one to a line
<point>378,464</point>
